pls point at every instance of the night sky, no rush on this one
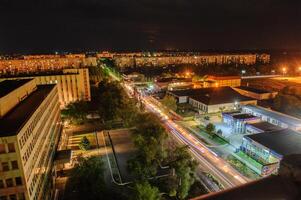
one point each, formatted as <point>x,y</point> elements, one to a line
<point>38,26</point>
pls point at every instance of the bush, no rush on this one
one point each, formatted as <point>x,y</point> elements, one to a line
<point>84,144</point>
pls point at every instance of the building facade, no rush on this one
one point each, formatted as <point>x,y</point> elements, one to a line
<point>72,84</point>
<point>222,81</point>
<point>269,148</point>
<point>41,63</point>
<point>163,59</point>
<point>273,117</point>
<point>255,93</point>
<point>29,136</point>
<point>238,121</point>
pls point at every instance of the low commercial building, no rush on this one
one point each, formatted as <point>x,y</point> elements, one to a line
<point>222,81</point>
<point>72,84</point>
<point>260,127</point>
<point>238,121</point>
<point>30,127</point>
<point>173,83</point>
<point>273,117</point>
<point>212,100</point>
<point>258,94</point>
<point>271,147</point>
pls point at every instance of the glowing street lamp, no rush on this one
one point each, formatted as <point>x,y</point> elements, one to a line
<point>284,70</point>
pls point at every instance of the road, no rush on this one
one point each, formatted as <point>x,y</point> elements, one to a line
<point>208,160</point>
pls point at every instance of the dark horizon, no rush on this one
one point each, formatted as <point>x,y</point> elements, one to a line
<point>38,26</point>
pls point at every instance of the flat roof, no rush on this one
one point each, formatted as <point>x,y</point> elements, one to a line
<point>223,77</point>
<point>265,126</point>
<point>284,142</point>
<point>254,90</point>
<point>15,119</point>
<point>7,86</point>
<point>218,95</point>
<point>276,115</point>
<point>243,116</point>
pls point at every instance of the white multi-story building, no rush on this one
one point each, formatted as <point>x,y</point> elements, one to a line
<point>29,132</point>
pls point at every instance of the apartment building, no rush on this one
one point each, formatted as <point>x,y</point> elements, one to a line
<point>30,127</point>
<point>72,84</point>
<point>41,63</point>
<point>132,60</point>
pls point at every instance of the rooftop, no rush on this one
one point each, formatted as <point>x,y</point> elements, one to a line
<point>8,86</point>
<point>276,115</point>
<point>13,121</point>
<point>265,126</point>
<point>254,90</point>
<point>217,95</point>
<point>243,116</point>
<point>284,142</point>
<point>223,77</point>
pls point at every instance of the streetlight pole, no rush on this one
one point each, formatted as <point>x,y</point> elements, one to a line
<point>284,71</point>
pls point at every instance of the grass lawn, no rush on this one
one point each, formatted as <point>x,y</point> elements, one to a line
<point>216,139</point>
<point>250,160</point>
<point>242,168</point>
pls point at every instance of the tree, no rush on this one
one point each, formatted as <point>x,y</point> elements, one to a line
<point>149,138</point>
<point>184,166</point>
<point>110,100</point>
<point>76,112</point>
<point>170,102</point>
<point>144,191</point>
<point>87,179</point>
<point>84,144</point>
<point>210,129</point>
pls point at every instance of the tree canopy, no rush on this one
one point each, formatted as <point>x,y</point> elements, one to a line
<point>210,128</point>
<point>149,137</point>
<point>84,144</point>
<point>170,102</point>
<point>184,166</point>
<point>76,112</point>
<point>144,191</point>
<point>87,179</point>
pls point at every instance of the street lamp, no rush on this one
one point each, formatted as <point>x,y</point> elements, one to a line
<point>284,70</point>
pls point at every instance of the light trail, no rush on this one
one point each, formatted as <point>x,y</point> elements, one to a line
<point>208,159</point>
<point>228,176</point>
